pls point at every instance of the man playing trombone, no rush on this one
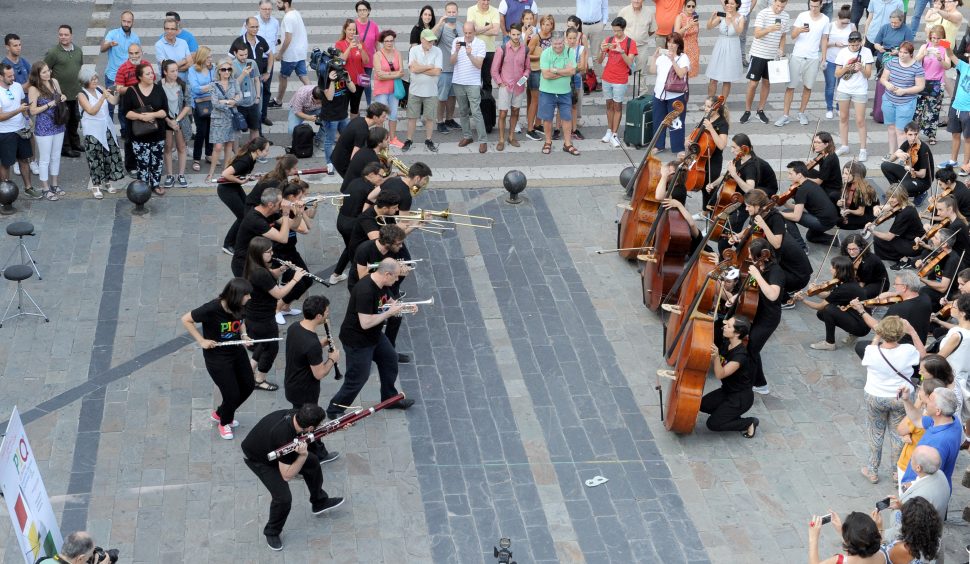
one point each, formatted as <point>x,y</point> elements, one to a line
<point>408,185</point>
<point>361,193</point>
<point>364,341</point>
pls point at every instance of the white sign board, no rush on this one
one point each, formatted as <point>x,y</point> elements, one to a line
<point>23,489</point>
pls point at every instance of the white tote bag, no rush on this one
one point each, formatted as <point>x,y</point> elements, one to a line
<point>778,72</point>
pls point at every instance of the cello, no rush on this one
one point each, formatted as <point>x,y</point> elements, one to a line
<point>639,215</point>
<point>701,145</point>
<point>728,187</point>
<point>668,248</point>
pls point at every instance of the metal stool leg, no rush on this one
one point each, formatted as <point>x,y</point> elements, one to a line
<point>21,292</point>
<point>25,251</point>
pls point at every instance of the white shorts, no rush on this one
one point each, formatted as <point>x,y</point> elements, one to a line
<point>802,72</point>
<point>506,100</point>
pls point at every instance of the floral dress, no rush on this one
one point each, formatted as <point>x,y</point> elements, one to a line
<point>691,48</point>
<point>220,128</point>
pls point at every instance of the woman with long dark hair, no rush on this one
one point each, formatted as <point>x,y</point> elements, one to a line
<point>858,199</point>
<point>176,122</point>
<point>828,308</point>
<point>897,243</point>
<point>771,282</point>
<point>228,366</point>
<point>869,270</point>
<point>261,309</point>
<point>355,58</point>
<point>230,190</point>
<point>732,365</point>
<point>826,169</point>
<point>285,167</point>
<point>45,95</point>
<point>919,534</point>
<point>426,20</point>
<point>299,225</point>
<point>861,541</point>
<point>663,63</point>
<point>146,103</point>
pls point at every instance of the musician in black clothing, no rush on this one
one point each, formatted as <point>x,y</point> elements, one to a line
<point>947,182</point>
<point>771,281</point>
<point>228,366</point>
<point>419,174</point>
<point>862,198</point>
<point>946,211</point>
<point>749,172</point>
<point>869,270</point>
<point>937,280</point>
<point>366,226</point>
<point>388,244</point>
<point>897,243</point>
<point>353,137</point>
<point>825,168</point>
<point>305,362</point>
<point>377,142</point>
<point>940,326</point>
<point>273,431</point>
<point>717,126</point>
<point>364,342</point>
<point>261,221</point>
<point>915,308</point>
<point>914,177</point>
<point>361,193</point>
<point>812,208</point>
<point>230,191</point>
<point>828,309</point>
<point>294,192</point>
<point>286,166</point>
<point>733,366</point>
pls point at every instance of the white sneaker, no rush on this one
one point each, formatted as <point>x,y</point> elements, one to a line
<point>863,156</point>
<point>608,137</point>
<point>829,115</point>
<point>843,150</point>
<point>330,169</point>
<point>615,141</point>
<point>802,118</point>
<point>16,166</point>
<point>279,318</point>
<point>518,128</point>
<point>336,278</point>
<point>782,121</point>
<point>292,311</point>
<point>34,169</point>
<point>763,390</point>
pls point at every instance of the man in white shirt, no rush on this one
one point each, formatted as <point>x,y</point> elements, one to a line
<point>13,118</point>
<point>770,28</point>
<point>595,15</point>
<point>468,54</point>
<point>803,66</point>
<point>294,45</point>
<point>269,30</point>
<point>424,62</point>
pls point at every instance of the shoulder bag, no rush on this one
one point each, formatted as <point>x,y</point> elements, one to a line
<point>910,381</point>
<point>203,107</point>
<point>363,79</point>
<point>62,113</point>
<point>674,83</point>
<point>142,128</point>
<point>399,92</point>
<point>239,122</point>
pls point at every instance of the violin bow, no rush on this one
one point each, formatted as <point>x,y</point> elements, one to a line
<point>826,257</point>
<point>811,142</point>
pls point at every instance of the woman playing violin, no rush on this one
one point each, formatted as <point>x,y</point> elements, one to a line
<point>846,290</point>
<point>911,164</point>
<point>896,244</point>
<point>963,287</point>
<point>750,171</point>
<point>732,365</point>
<point>824,167</point>
<point>938,268</point>
<point>869,270</point>
<point>858,199</point>
<point>770,278</point>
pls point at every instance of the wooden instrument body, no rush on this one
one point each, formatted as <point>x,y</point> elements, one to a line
<point>694,284</point>
<point>702,144</point>
<point>635,224</point>
<point>728,195</point>
<point>692,362</point>
<point>670,255</point>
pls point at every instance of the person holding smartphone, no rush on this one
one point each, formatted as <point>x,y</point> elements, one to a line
<point>770,29</point>
<point>861,540</point>
<point>808,35</point>
<point>686,24</point>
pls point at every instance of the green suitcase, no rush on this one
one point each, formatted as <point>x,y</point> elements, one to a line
<point>639,118</point>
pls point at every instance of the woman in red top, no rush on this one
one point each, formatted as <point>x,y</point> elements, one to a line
<point>356,59</point>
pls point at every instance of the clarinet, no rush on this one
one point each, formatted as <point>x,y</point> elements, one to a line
<point>336,367</point>
<point>333,426</point>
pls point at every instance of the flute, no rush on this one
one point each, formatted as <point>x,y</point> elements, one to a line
<point>247,342</point>
<point>336,367</point>
<point>307,273</point>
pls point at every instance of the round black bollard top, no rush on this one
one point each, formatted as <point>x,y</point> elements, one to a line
<point>514,182</point>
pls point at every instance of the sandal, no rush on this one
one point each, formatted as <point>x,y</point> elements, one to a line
<point>546,148</point>
<point>267,386</point>
<point>754,430</point>
<point>571,149</point>
<point>96,192</point>
<point>932,141</point>
<point>50,196</point>
<point>500,146</point>
<point>208,179</point>
<point>196,166</point>
<point>159,190</point>
<point>873,478</point>
<point>58,190</point>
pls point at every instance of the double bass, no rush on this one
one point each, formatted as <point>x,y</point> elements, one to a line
<point>701,146</point>
<point>639,215</point>
<point>668,249</point>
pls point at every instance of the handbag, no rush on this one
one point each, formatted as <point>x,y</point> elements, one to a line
<point>399,92</point>
<point>237,119</point>
<point>910,381</point>
<point>142,128</point>
<point>203,107</point>
<point>675,83</point>
<point>62,113</point>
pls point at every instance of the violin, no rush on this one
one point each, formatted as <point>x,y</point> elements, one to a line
<point>875,302</point>
<point>816,289</point>
<point>814,161</point>
<point>701,146</point>
<point>931,206</point>
<point>946,311</point>
<point>931,261</point>
<point>848,198</point>
<point>781,199</point>
<point>886,215</point>
<point>931,232</point>
<point>913,153</point>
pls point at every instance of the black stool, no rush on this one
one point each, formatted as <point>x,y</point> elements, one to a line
<point>19,273</point>
<point>22,229</point>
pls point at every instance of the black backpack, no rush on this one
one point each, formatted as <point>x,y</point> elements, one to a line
<point>302,143</point>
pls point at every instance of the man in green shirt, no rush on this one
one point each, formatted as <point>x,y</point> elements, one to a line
<point>64,60</point>
<point>557,65</point>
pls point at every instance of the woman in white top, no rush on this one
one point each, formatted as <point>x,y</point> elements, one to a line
<point>956,350</point>
<point>889,364</point>
<point>853,68</point>
<point>665,61</point>
<point>834,39</point>
<point>100,145</point>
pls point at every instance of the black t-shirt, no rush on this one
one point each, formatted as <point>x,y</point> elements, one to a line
<point>924,160</point>
<point>395,185</point>
<point>776,223</point>
<point>252,199</point>
<point>872,270</point>
<point>242,166</point>
<point>769,310</point>
<point>962,195</point>
<point>817,203</point>
<point>946,268</point>
<point>156,100</point>
<point>217,325</point>
<point>961,240</point>
<point>254,224</point>
<point>907,225</point>
<point>261,304</point>
<point>356,197</point>
<point>716,162</point>
<point>366,223</point>
<point>748,170</point>
<point>845,293</point>
<point>356,167</point>
<point>303,350</point>
<point>741,380</point>
<point>272,432</point>
<point>917,311</point>
<point>367,253</point>
<point>829,176</point>
<point>795,263</point>
<point>366,298</point>
<point>415,38</point>
<point>765,179</point>
<point>287,249</point>
<point>338,108</point>
<point>353,135</point>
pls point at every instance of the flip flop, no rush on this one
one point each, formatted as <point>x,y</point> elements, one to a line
<point>267,386</point>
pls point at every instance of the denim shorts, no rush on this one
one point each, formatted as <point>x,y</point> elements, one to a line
<point>898,114</point>
<point>287,68</point>
<point>549,102</point>
<point>615,92</point>
<point>534,77</point>
<point>445,90</point>
<point>391,102</point>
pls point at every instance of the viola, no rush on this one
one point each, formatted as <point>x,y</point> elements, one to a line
<point>701,146</point>
<point>931,206</point>
<point>946,311</point>
<point>638,216</point>
<point>781,199</point>
<point>875,302</point>
<point>931,261</point>
<point>931,232</point>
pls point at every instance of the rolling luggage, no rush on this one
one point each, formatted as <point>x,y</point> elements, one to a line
<point>487,105</point>
<point>638,128</point>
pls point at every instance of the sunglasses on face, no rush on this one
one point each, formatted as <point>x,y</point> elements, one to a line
<point>225,70</point>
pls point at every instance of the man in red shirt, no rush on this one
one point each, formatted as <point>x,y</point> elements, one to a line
<point>124,79</point>
<point>619,52</point>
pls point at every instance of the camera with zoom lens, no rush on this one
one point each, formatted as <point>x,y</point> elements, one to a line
<point>100,553</point>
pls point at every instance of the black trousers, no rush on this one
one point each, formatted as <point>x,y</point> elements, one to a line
<point>894,249</point>
<point>72,137</point>
<point>233,375</point>
<point>264,353</point>
<point>849,321</point>
<point>303,285</point>
<point>873,289</point>
<point>894,172</point>
<point>359,360</point>
<point>761,331</point>
<point>726,408</point>
<point>234,197</point>
<point>345,226</point>
<point>201,138</point>
<point>279,508</point>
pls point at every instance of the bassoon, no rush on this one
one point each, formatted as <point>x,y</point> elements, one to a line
<point>333,426</point>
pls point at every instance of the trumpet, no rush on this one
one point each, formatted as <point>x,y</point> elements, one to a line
<point>409,307</point>
<point>402,262</point>
<point>332,199</point>
<point>307,273</point>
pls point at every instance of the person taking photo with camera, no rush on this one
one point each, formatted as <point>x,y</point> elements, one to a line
<point>78,548</point>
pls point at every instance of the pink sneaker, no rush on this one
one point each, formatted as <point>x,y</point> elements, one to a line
<point>225,431</point>
<point>215,417</point>
<point>395,142</point>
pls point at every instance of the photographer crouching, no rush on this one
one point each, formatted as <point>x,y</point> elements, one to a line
<point>78,548</point>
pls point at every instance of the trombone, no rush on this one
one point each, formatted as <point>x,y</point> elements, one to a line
<point>430,225</point>
<point>446,217</point>
<point>409,307</point>
<point>333,199</point>
<point>402,262</point>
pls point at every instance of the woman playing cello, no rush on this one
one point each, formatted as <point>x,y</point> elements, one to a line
<point>869,270</point>
<point>897,243</point>
<point>858,199</point>
<point>717,127</point>
<point>733,366</point>
<point>770,278</point>
<point>828,310</point>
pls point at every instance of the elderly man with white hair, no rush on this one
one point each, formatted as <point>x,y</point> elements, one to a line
<point>942,429</point>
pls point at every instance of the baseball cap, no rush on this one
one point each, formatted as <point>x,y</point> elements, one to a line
<point>429,35</point>
<point>855,36</point>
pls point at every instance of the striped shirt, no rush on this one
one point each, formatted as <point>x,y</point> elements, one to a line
<point>903,77</point>
<point>767,46</point>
